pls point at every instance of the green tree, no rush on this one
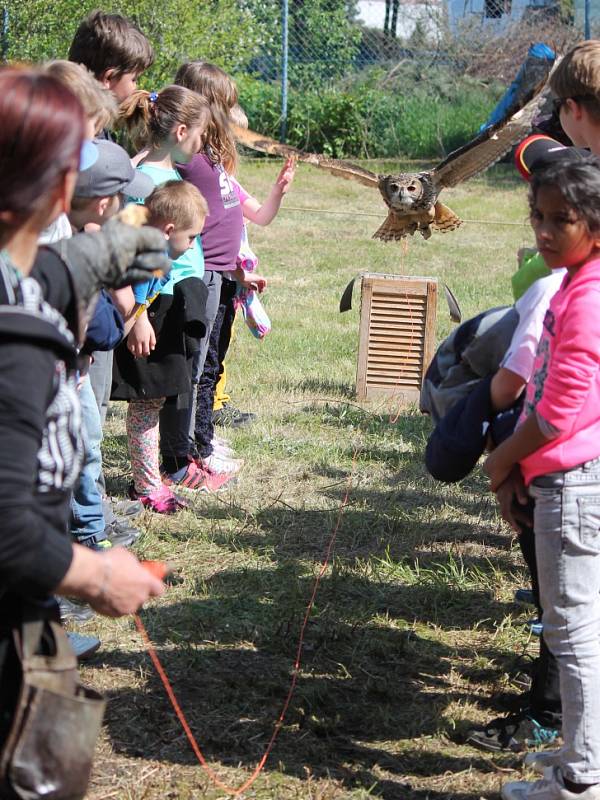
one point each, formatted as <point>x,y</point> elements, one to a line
<point>224,31</point>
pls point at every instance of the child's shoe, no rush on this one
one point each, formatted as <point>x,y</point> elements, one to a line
<point>221,447</point>
<point>221,464</point>
<point>84,647</point>
<point>536,626</point>
<point>162,501</point>
<point>540,761</point>
<point>197,477</point>
<point>515,732</point>
<point>550,787</point>
<point>524,597</point>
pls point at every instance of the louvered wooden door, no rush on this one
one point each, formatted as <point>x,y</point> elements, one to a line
<point>397,336</point>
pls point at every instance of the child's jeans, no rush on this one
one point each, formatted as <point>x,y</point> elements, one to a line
<point>567,539</point>
<point>87,512</point>
<point>142,442</point>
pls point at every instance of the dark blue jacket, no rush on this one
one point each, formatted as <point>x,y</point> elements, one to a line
<point>105,329</point>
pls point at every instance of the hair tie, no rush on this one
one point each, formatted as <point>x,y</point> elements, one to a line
<point>153,97</point>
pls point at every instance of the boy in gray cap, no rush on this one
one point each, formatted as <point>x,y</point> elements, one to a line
<point>100,189</point>
<point>98,196</point>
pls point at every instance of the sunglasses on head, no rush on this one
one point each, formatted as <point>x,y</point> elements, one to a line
<point>558,102</point>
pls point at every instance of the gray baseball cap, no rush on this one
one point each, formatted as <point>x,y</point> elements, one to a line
<point>112,173</point>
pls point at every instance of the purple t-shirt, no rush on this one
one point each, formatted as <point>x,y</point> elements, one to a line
<point>222,230</point>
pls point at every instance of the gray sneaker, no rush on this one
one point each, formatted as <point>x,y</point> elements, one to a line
<point>540,761</point>
<point>71,611</point>
<point>121,533</point>
<point>84,647</point>
<point>550,787</point>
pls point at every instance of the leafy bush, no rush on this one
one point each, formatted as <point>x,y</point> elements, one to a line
<point>364,119</point>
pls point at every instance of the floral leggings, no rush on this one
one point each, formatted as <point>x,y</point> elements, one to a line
<point>142,442</point>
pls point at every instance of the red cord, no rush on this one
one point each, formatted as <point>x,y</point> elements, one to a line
<point>279,723</point>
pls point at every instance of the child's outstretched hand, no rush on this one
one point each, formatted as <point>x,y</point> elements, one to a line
<point>286,176</point>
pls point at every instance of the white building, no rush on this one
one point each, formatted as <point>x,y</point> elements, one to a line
<point>372,14</point>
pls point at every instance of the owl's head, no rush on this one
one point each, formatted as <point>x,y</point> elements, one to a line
<point>404,192</point>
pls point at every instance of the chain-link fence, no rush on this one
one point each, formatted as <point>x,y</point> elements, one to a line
<point>346,77</point>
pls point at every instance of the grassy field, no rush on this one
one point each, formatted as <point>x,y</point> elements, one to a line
<point>414,628</point>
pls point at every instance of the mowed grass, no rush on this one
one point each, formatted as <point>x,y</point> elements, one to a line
<point>413,629</point>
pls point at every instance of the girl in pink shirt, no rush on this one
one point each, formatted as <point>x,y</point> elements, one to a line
<point>554,455</point>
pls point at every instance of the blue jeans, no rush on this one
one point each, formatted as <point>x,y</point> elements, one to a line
<point>87,514</point>
<point>567,542</point>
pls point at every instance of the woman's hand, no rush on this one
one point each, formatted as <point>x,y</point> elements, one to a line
<point>114,583</point>
<point>512,496</point>
<point>142,339</point>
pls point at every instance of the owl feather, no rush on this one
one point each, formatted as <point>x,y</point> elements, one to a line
<point>412,198</point>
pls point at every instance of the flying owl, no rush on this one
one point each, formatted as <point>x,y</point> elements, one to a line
<point>412,198</point>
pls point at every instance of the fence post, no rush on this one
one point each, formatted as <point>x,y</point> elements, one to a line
<point>4,36</point>
<point>284,69</point>
<point>586,19</point>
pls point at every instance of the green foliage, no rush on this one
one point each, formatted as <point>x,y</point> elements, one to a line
<point>224,31</point>
<point>323,41</point>
<point>365,119</point>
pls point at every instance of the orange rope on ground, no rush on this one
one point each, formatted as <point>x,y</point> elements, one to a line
<point>279,723</point>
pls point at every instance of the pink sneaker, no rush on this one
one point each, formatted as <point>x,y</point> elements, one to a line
<point>214,481</point>
<point>198,478</point>
<point>162,501</point>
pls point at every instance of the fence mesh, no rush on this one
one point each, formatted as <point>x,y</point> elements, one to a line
<point>366,77</point>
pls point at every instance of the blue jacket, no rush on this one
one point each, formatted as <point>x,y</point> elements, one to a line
<point>105,329</point>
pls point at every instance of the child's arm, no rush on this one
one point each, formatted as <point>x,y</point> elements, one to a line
<point>266,213</point>
<point>124,301</point>
<point>505,389</point>
<point>142,339</point>
<point>527,438</point>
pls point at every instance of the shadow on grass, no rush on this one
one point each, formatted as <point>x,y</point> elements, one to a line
<point>362,684</point>
<point>318,385</point>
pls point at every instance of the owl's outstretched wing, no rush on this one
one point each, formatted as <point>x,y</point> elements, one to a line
<point>337,167</point>
<point>489,146</point>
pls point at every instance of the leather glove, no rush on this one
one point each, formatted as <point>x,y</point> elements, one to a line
<point>115,256</point>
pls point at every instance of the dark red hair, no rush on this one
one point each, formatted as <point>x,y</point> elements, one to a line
<point>41,134</point>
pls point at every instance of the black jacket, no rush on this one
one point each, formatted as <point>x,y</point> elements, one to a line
<point>40,438</point>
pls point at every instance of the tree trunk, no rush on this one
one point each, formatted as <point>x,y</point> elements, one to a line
<point>386,24</point>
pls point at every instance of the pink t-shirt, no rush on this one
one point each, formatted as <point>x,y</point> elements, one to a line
<point>565,386</point>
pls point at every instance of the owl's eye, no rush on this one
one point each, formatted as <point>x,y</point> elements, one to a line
<point>412,188</point>
<point>394,187</point>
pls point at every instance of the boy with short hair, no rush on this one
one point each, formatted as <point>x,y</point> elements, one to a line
<point>114,49</point>
<point>98,197</point>
<point>576,84</point>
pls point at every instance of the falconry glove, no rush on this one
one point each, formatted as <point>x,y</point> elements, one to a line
<point>116,256</point>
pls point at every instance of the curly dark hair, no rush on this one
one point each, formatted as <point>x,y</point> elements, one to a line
<point>577,177</point>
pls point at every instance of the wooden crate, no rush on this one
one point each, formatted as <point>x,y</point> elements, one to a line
<point>397,336</point>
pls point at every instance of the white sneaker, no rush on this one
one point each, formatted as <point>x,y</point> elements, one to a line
<point>550,787</point>
<point>539,762</point>
<point>223,464</point>
<point>221,448</point>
